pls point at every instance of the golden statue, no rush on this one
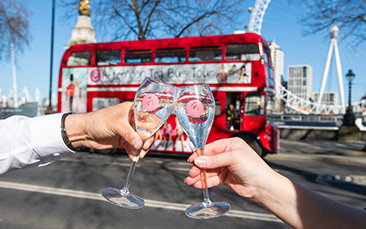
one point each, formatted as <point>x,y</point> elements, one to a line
<point>84,8</point>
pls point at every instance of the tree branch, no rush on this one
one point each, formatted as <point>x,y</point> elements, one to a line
<point>206,14</point>
<point>125,20</point>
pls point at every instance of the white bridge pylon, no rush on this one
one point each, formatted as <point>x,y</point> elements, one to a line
<point>333,45</point>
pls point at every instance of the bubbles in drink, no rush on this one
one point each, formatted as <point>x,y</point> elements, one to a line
<point>149,121</point>
<point>196,127</point>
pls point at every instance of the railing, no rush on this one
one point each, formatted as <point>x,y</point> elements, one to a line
<point>307,121</point>
<point>306,107</point>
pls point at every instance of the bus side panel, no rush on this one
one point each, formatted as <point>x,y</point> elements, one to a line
<point>73,90</point>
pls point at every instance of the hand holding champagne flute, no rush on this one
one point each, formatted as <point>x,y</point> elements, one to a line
<point>195,110</point>
<point>154,102</point>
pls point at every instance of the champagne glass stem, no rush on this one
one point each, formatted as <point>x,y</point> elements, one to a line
<point>206,195</point>
<point>131,172</point>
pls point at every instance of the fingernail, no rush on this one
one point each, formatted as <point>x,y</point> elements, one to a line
<point>200,161</point>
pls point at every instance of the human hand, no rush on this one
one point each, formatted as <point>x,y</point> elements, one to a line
<point>230,162</point>
<point>107,128</point>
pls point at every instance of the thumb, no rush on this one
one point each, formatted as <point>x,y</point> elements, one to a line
<point>130,140</point>
<point>214,161</point>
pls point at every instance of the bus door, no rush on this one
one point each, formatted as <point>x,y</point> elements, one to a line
<point>254,117</point>
<point>233,111</point>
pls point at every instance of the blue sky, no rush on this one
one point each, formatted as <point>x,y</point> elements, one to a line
<point>280,24</point>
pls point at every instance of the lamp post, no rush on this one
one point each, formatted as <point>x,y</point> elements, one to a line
<point>49,109</point>
<point>349,118</point>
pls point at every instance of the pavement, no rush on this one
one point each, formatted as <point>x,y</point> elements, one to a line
<point>327,151</point>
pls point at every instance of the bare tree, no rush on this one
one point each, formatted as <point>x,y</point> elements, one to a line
<point>142,19</point>
<point>348,15</point>
<point>14,27</point>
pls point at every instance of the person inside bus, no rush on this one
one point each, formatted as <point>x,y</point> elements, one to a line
<point>231,117</point>
<point>234,163</point>
<point>33,142</point>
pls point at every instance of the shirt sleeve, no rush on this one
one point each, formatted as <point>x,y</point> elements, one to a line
<point>30,142</point>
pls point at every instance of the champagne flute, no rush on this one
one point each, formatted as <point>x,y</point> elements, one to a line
<point>154,102</point>
<point>195,109</point>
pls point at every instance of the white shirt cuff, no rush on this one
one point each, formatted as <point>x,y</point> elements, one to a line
<point>46,136</point>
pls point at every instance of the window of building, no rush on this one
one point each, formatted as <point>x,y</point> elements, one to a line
<point>138,56</point>
<point>108,57</point>
<point>304,81</point>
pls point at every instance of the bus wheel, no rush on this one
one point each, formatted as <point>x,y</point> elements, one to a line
<point>252,143</point>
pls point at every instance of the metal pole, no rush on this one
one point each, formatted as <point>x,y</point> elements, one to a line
<point>349,96</point>
<point>51,59</point>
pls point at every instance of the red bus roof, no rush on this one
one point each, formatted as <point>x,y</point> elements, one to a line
<point>173,42</point>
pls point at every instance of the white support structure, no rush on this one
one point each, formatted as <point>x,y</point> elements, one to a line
<point>333,45</point>
<point>257,14</point>
<point>303,106</point>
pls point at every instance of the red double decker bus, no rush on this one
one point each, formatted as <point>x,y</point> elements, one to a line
<point>237,67</point>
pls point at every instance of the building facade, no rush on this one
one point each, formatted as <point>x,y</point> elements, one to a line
<point>300,81</point>
<point>328,98</point>
<point>277,56</point>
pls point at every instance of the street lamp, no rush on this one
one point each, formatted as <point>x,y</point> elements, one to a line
<point>349,118</point>
<point>49,109</point>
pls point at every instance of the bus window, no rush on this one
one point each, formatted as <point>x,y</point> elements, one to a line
<point>217,108</point>
<point>207,53</point>
<point>138,56</point>
<point>254,104</point>
<point>170,55</point>
<point>233,109</point>
<point>270,104</point>
<point>268,68</point>
<point>99,103</point>
<point>79,59</point>
<point>108,57</point>
<point>244,52</point>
